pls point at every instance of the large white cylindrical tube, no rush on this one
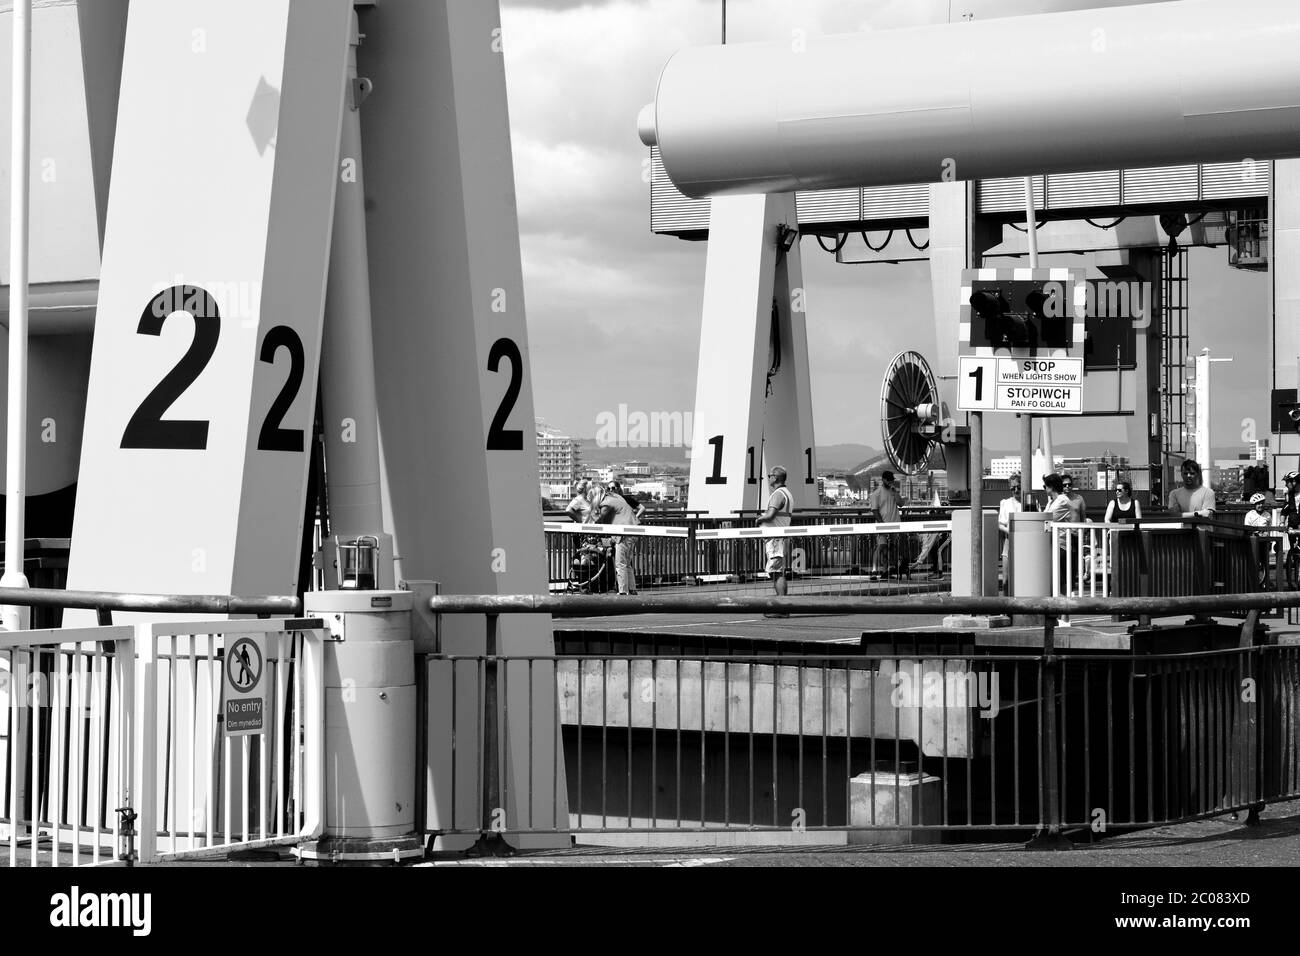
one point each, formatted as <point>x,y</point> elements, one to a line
<point>1151,85</point>
<point>347,350</point>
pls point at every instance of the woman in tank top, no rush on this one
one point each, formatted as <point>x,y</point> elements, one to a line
<point>1124,509</point>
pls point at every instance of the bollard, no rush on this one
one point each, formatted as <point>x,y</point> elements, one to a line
<point>370,705</point>
<point>903,794</point>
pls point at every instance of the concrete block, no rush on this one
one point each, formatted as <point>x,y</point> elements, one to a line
<point>883,797</point>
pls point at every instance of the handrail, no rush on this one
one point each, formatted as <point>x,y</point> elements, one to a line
<point>604,605</point>
<point>163,603</point>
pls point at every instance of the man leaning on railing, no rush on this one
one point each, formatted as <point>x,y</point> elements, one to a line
<point>1194,499</point>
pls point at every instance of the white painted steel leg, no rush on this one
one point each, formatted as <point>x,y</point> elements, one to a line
<point>451,350</point>
<point>138,764</point>
<point>788,438</point>
<point>735,353</point>
<point>12,617</point>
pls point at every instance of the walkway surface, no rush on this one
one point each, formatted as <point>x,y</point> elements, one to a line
<point>1219,841</point>
<point>1095,631</point>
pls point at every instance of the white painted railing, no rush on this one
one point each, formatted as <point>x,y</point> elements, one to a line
<point>204,788</point>
<point>66,719</point>
<point>95,719</point>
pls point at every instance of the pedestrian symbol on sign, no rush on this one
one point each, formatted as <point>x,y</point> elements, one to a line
<point>244,665</point>
<point>244,700</point>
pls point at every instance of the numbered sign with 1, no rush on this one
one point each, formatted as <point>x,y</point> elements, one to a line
<point>977,385</point>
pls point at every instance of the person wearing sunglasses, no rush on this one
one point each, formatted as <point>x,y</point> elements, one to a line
<point>1123,508</point>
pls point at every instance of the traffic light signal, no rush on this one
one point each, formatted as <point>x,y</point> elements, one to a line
<point>1253,479</point>
<point>1286,411</point>
<point>1021,315</point>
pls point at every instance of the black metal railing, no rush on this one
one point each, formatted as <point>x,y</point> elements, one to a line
<point>887,563</point>
<point>884,747</point>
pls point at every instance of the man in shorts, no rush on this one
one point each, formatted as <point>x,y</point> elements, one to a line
<point>780,509</point>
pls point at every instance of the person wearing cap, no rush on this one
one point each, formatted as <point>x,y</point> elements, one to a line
<point>1193,499</point>
<point>887,502</point>
<point>1260,524</point>
<point>778,514</point>
<point>607,507</point>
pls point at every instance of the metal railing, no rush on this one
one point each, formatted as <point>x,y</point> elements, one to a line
<point>103,721</point>
<point>104,603</point>
<point>1169,557</point>
<point>65,757</point>
<point>878,744</point>
<point>1083,551</point>
<point>205,788</point>
<point>734,557</point>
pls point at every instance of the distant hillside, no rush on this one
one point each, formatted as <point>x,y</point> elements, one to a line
<point>843,457</point>
<point>879,462</point>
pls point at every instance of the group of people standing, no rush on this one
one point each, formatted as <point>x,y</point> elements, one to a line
<point>1065,504</point>
<point>597,503</point>
<point>1193,498</point>
<point>1267,540</point>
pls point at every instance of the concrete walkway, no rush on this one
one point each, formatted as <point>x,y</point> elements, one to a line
<point>1219,841</point>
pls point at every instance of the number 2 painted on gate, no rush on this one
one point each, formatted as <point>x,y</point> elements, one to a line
<point>148,429</point>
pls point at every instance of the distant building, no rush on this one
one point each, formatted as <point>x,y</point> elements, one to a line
<point>555,493</point>
<point>639,469</point>
<point>663,487</point>
<point>1082,471</point>
<point>559,460</point>
<point>1004,467</point>
<point>837,489</point>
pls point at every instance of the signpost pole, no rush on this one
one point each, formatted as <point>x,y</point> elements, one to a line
<point>1027,476</point>
<point>1026,459</point>
<point>977,502</point>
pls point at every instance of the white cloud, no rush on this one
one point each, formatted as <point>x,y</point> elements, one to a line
<point>614,311</point>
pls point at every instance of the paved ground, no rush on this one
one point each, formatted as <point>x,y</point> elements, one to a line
<point>1215,842</point>
<point>848,628</point>
<point>1219,841</point>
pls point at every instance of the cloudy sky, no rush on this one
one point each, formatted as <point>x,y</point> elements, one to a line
<point>601,287</point>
